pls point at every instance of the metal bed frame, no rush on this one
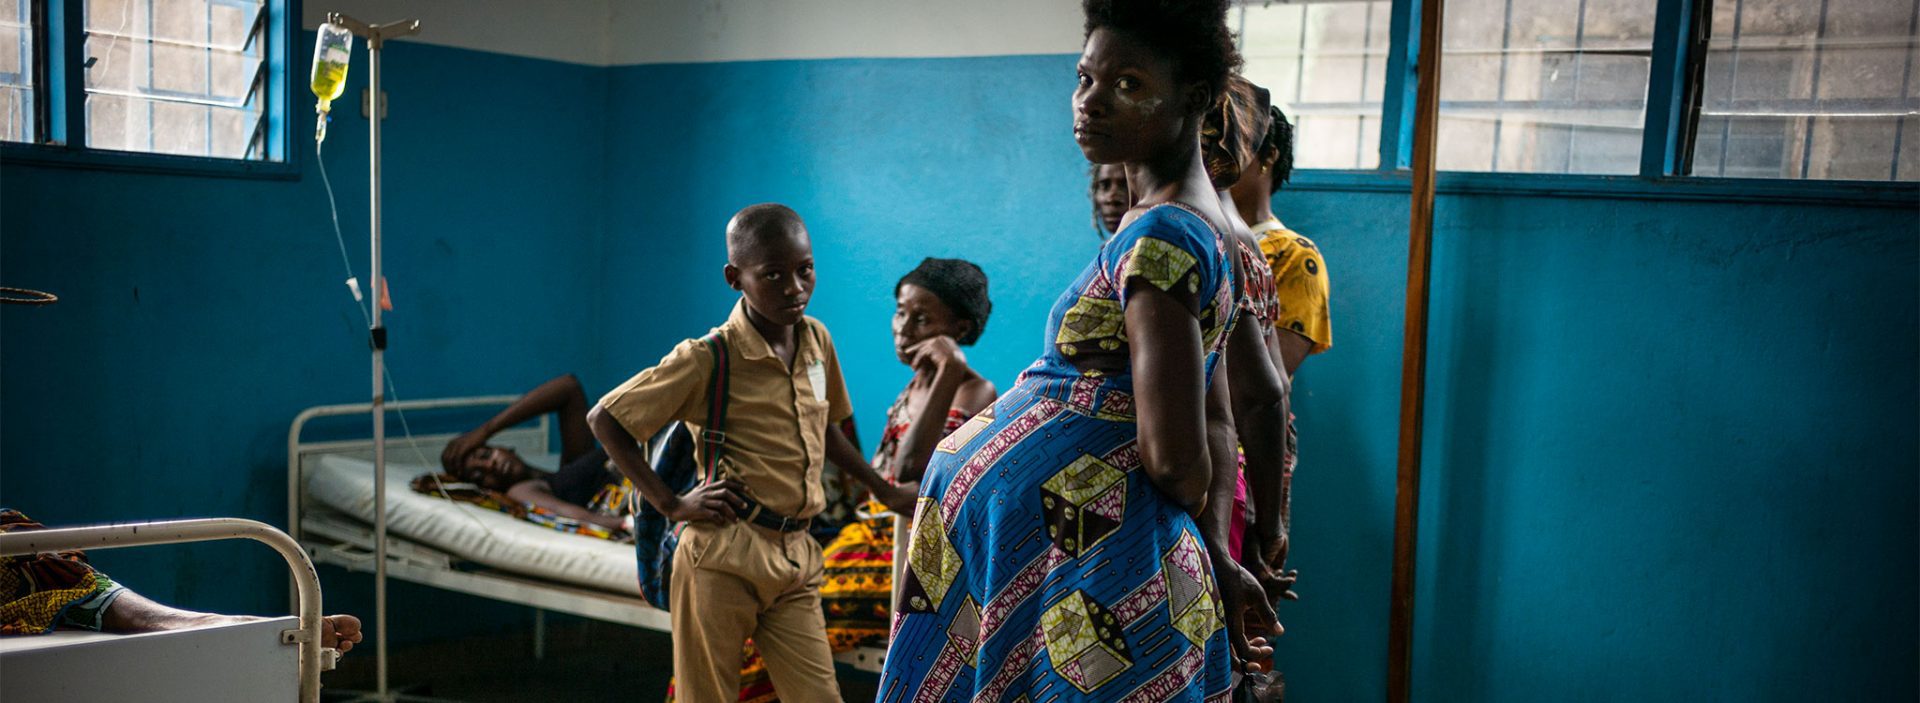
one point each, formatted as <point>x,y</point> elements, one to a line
<point>133,534</point>
<point>348,542</point>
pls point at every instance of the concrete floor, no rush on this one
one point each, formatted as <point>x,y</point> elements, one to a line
<point>585,661</point>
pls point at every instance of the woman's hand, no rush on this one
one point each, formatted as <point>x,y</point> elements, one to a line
<point>460,448</point>
<point>1251,623</point>
<point>936,353</point>
<point>610,523</point>
<point>718,502</point>
<point>899,499</point>
<point>1269,567</point>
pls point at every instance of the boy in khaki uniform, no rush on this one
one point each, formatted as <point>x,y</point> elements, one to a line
<point>745,566</point>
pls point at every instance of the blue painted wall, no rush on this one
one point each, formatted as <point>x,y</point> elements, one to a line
<point>1671,450</point>
<point>198,315</point>
<point>888,162</point>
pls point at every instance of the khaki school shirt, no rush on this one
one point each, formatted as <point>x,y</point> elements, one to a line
<point>776,419</point>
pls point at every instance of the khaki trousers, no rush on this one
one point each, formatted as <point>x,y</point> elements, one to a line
<point>731,582</point>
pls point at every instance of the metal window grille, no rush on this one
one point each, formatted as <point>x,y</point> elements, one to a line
<point>1811,89</point>
<point>1545,86</point>
<point>1325,63</point>
<point>17,93</point>
<point>176,77</point>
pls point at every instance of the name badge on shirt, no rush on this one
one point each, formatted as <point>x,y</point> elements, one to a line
<point>817,375</point>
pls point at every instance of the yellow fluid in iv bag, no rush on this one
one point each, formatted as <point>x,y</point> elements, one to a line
<point>331,52</point>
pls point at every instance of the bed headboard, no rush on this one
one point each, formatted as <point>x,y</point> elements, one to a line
<point>302,456</point>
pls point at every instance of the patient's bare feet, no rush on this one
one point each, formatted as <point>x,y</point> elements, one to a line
<point>340,632</point>
<point>132,612</point>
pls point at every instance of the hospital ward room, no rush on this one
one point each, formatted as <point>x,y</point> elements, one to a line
<point>914,351</point>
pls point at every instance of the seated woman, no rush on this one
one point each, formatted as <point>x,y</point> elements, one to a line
<point>938,307</point>
<point>583,481</point>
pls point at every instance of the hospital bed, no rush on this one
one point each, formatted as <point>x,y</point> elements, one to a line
<point>274,659</point>
<point>458,546</point>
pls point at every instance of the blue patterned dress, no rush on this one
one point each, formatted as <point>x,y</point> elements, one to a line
<point>1044,565</point>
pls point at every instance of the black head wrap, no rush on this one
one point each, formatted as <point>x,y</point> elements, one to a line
<point>959,284</point>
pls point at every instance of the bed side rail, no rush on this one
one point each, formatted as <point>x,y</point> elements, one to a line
<point>135,534</point>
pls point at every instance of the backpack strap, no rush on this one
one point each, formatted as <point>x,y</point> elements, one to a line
<point>713,435</point>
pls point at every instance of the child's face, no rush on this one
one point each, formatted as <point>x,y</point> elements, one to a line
<point>776,278</point>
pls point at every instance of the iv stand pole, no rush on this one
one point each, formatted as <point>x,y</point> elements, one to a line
<point>376,36</point>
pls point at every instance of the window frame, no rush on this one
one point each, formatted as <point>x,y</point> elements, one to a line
<point>60,103</point>
<point>1675,82</point>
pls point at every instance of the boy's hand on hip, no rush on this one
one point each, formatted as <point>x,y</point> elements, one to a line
<point>717,502</point>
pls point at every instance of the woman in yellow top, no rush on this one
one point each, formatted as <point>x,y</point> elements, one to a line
<point>1300,282</point>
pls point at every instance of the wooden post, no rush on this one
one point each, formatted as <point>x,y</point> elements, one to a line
<point>1413,360</point>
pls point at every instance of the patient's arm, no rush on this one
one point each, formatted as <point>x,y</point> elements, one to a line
<point>718,501</point>
<point>842,453</point>
<point>538,493</point>
<point>561,395</point>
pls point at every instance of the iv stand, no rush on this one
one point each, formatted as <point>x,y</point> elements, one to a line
<point>376,36</point>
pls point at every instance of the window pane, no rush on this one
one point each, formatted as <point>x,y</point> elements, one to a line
<point>1325,61</point>
<point>1544,86</point>
<point>16,71</point>
<point>175,76</point>
<point>1810,89</point>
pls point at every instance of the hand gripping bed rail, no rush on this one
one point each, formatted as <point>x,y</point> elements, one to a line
<point>135,534</point>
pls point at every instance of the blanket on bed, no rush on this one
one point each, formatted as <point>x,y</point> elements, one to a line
<point>611,500</point>
<point>41,591</point>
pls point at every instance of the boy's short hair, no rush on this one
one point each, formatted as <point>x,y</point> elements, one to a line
<point>755,226</point>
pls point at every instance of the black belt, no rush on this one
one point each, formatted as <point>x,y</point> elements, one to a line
<point>759,515</point>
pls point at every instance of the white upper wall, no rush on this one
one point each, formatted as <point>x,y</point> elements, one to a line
<point>574,31</point>
<point>689,31</point>
<point>625,32</point>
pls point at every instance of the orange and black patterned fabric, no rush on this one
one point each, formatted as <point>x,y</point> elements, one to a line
<point>857,588</point>
<point>39,592</point>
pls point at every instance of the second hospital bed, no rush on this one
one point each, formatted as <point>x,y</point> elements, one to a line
<point>459,546</point>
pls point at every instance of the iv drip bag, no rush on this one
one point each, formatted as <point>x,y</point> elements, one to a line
<point>332,49</point>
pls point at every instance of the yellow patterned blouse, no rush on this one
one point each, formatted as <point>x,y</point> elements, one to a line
<point>1300,281</point>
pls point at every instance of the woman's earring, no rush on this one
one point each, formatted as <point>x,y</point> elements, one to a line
<point>1263,170</point>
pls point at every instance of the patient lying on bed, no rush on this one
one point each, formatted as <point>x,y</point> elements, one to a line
<point>583,489</point>
<point>41,592</point>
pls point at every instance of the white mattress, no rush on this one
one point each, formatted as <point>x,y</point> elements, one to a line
<point>471,532</point>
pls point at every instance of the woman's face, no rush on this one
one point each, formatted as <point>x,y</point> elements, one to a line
<point>494,468</point>
<point>1128,105</point>
<point>1110,200</point>
<point>1256,182</point>
<point>918,315</point>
